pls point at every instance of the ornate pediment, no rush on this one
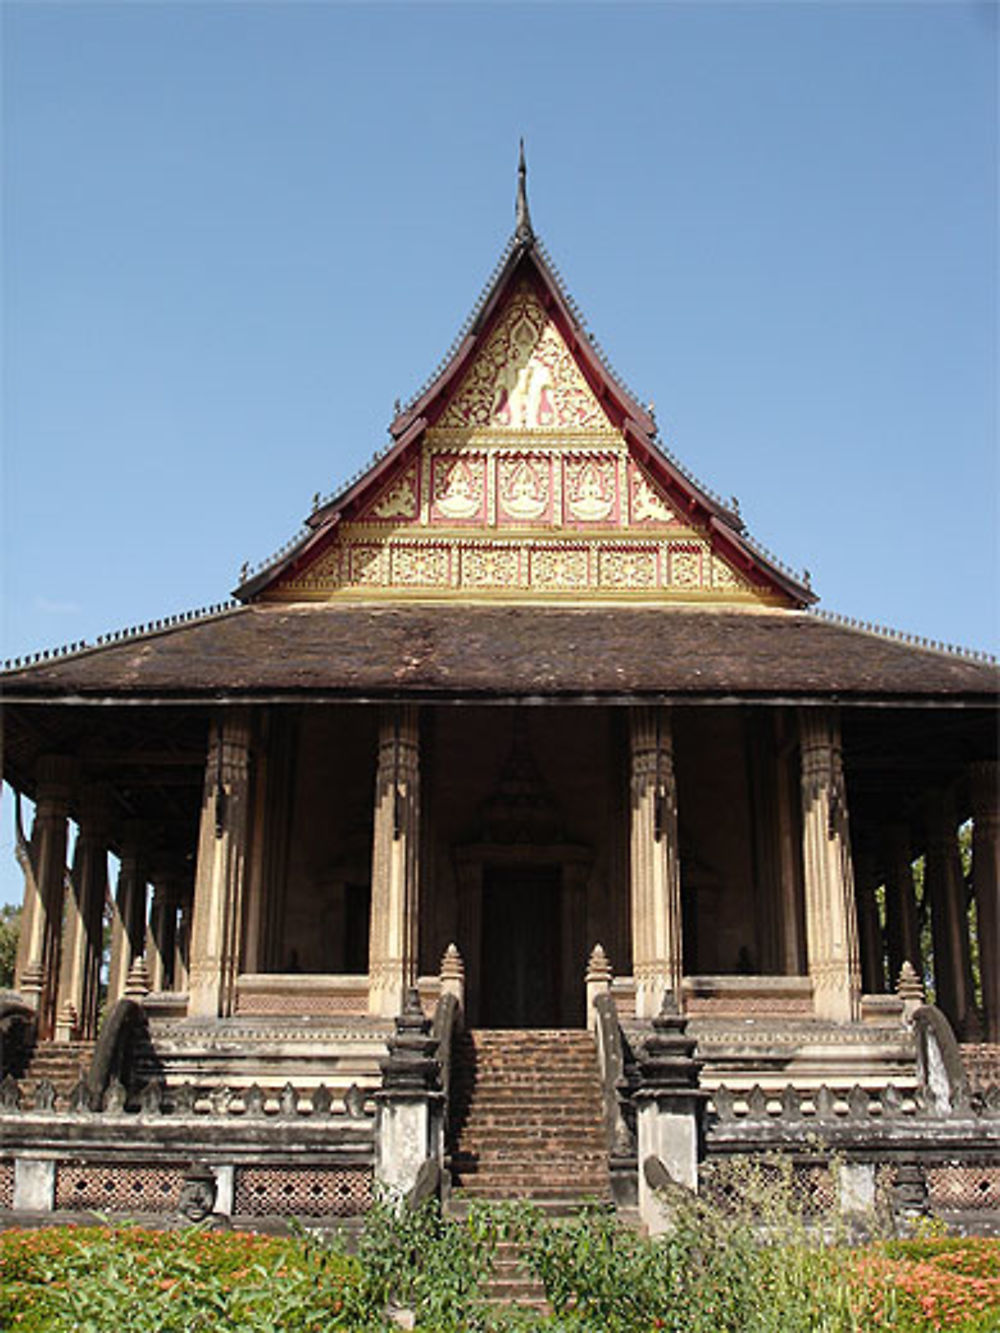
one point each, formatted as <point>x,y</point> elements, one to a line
<point>524,377</point>
<point>524,471</point>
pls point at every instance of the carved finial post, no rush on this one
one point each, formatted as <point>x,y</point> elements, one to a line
<point>909,990</point>
<point>409,1114</point>
<point>598,980</point>
<point>137,985</point>
<point>453,974</point>
<point>523,230</point>
<point>669,1106</point>
<point>67,1023</point>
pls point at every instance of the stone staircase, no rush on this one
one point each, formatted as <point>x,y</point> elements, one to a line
<point>526,1118</point>
<point>59,1063</point>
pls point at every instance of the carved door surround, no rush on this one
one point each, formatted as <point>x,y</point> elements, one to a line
<point>473,861</point>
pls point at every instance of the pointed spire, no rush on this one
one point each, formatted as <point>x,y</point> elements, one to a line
<point>523,231</point>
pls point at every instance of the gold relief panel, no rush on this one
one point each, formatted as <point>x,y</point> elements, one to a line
<point>458,488</point>
<point>491,566</point>
<point>724,576</point>
<point>560,568</point>
<point>399,500</point>
<point>325,570</point>
<point>524,489</point>
<point>590,490</point>
<point>524,376</point>
<point>421,566</point>
<point>648,503</point>
<point>685,567</point>
<point>369,564</point>
<point>628,569</point>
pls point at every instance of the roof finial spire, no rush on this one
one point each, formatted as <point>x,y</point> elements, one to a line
<point>523,231</point>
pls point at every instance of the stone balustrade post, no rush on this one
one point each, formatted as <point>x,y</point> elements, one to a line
<point>452,974</point>
<point>655,861</point>
<point>409,1114</point>
<point>985,782</point>
<point>669,1108</point>
<point>597,981</point>
<point>831,916</point>
<point>392,965</point>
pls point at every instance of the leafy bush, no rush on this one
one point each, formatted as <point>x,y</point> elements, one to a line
<point>750,1258</point>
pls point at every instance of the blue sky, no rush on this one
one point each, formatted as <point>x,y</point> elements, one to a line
<point>234,233</point>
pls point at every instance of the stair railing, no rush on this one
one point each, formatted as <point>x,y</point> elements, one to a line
<point>17,1034</point>
<point>447,1021</point>
<point>112,1055</point>
<point>618,1073</point>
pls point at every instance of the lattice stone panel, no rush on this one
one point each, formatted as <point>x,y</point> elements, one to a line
<point>290,1191</point>
<point>315,1006</point>
<point>965,1188</point>
<point>810,1188</point>
<point>118,1189</point>
<point>6,1184</point>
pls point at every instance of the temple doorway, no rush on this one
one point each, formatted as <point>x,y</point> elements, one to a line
<point>521,946</point>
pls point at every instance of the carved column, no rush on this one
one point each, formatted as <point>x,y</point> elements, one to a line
<point>902,924</point>
<point>160,937</point>
<point>128,913</point>
<point>869,929</point>
<point>41,927</point>
<point>949,918</point>
<point>831,919</point>
<point>83,933</point>
<point>223,843</point>
<point>182,941</point>
<point>392,964</point>
<point>655,862</point>
<point>986,883</point>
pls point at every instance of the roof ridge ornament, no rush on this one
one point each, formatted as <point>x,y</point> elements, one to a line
<point>523,231</point>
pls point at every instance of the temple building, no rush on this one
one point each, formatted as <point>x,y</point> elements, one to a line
<point>523,688</point>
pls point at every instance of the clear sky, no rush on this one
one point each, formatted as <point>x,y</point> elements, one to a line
<point>234,233</point>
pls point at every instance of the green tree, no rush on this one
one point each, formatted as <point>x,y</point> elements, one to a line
<point>10,920</point>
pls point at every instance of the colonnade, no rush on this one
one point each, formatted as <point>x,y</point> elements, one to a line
<point>193,938</point>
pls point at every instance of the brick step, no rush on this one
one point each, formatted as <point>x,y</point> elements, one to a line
<point>541,1142</point>
<point>572,1196</point>
<point>534,1172</point>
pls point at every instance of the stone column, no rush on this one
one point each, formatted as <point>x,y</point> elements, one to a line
<point>128,913</point>
<point>392,965</point>
<point>831,919</point>
<point>182,941</point>
<point>655,862</point>
<point>949,918</point>
<point>902,924</point>
<point>161,934</point>
<point>869,929</point>
<point>41,924</point>
<point>83,932</point>
<point>223,843</point>
<point>985,781</point>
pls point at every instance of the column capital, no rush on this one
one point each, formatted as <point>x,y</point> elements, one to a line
<point>57,775</point>
<point>984,790</point>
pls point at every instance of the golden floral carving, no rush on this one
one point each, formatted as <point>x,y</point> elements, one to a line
<point>421,566</point>
<point>524,488</point>
<point>563,568</point>
<point>399,498</point>
<point>591,489</point>
<point>627,569</point>
<point>491,566</point>
<point>648,504</point>
<point>524,376</point>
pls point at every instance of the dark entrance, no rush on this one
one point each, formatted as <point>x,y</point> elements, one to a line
<point>521,946</point>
